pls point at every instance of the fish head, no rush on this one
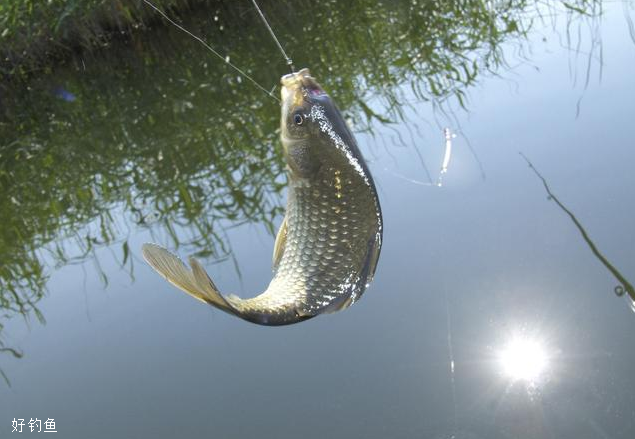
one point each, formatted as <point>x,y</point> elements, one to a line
<point>298,129</point>
<point>298,92</point>
<point>311,125</point>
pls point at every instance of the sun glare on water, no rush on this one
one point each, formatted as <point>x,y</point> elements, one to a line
<point>523,359</point>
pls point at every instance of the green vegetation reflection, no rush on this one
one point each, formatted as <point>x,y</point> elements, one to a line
<point>155,134</point>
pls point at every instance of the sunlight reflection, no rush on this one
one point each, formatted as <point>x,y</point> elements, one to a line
<point>523,359</point>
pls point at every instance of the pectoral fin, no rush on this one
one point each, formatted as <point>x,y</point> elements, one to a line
<point>281,242</point>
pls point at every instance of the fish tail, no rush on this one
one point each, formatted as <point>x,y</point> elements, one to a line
<point>195,282</point>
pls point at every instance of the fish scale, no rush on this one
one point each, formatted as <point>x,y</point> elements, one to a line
<point>329,243</point>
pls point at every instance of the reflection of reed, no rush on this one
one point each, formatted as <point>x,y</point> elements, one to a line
<point>15,353</point>
<point>181,149</point>
<point>625,284</point>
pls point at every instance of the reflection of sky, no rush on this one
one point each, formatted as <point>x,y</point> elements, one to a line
<point>157,363</point>
<point>520,258</point>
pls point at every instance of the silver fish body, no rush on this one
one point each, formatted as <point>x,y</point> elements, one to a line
<point>327,248</point>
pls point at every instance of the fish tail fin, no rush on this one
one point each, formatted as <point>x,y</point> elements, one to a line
<point>195,282</point>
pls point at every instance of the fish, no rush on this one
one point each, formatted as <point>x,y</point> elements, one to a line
<point>328,245</point>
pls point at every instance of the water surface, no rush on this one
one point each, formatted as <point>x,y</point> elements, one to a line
<point>489,316</point>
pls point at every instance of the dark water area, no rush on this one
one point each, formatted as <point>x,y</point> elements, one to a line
<point>502,305</point>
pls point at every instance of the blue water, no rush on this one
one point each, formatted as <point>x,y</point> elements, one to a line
<point>489,316</point>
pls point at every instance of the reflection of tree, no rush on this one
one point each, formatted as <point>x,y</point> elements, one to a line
<point>162,137</point>
<point>625,285</point>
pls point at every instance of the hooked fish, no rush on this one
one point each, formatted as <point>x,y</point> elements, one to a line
<point>326,250</point>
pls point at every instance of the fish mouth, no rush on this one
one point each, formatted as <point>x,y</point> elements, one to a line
<point>298,85</point>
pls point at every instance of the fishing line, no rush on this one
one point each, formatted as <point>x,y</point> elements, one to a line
<point>408,179</point>
<point>211,49</point>
<point>264,20</point>
<point>448,321</point>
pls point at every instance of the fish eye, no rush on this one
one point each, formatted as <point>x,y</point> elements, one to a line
<point>298,119</point>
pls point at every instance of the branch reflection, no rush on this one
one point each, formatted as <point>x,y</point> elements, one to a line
<point>625,285</point>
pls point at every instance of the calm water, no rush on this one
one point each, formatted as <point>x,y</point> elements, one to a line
<point>489,317</point>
